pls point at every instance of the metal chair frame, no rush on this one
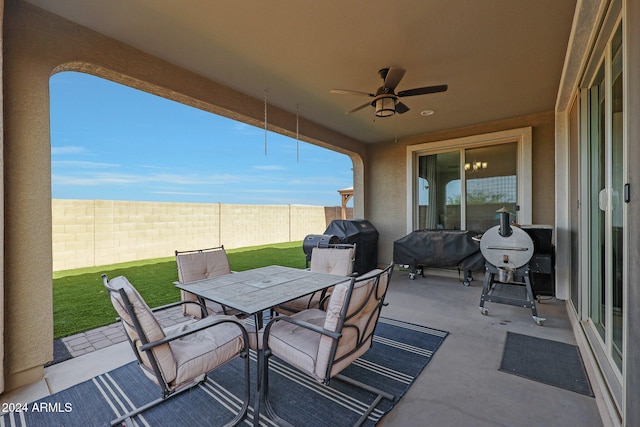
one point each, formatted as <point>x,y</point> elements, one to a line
<point>148,346</point>
<point>362,340</point>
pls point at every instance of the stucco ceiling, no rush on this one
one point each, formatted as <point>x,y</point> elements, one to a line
<point>500,58</point>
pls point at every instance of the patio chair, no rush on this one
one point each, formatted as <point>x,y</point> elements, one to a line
<point>197,265</point>
<point>323,343</point>
<point>181,359</point>
<point>337,259</point>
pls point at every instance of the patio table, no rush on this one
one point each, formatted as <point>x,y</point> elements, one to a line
<point>259,289</point>
<point>254,291</point>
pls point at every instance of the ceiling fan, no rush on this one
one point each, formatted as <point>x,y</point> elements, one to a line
<point>386,101</point>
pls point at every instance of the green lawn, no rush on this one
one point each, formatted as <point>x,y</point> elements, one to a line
<point>80,302</point>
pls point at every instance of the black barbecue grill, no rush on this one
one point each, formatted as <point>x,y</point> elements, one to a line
<point>361,233</point>
<point>439,248</point>
<point>317,240</point>
<point>357,233</point>
<point>507,251</point>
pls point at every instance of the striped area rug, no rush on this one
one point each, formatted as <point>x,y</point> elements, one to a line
<point>400,352</point>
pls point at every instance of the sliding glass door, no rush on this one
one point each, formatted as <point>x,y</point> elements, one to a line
<point>597,207</point>
<point>463,188</point>
<point>604,182</point>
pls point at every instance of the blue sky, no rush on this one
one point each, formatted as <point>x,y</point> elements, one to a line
<point>111,142</point>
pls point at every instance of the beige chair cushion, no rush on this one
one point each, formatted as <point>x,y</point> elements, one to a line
<point>299,304</point>
<point>284,334</point>
<point>202,265</point>
<point>336,261</point>
<point>194,310</point>
<point>194,266</point>
<point>205,350</point>
<point>332,261</point>
<point>255,339</point>
<point>150,326</point>
<point>346,343</point>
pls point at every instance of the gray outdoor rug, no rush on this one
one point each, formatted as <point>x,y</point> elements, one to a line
<point>549,362</point>
<point>399,353</point>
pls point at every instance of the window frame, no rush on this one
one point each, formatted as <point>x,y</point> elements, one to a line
<point>521,136</point>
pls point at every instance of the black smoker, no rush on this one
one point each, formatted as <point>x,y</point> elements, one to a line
<point>317,240</point>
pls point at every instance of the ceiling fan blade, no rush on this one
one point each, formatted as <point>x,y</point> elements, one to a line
<point>401,108</point>
<point>358,108</point>
<point>423,90</point>
<point>393,77</point>
<point>350,92</point>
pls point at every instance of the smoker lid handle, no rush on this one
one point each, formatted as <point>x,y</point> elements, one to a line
<point>506,248</point>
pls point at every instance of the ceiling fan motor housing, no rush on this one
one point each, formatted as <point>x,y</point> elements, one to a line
<point>385,104</point>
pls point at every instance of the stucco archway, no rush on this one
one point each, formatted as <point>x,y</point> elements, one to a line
<point>38,44</point>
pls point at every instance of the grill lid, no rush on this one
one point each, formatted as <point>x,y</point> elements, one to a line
<point>318,240</point>
<point>512,251</point>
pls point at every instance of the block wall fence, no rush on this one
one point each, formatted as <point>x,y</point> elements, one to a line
<point>101,232</point>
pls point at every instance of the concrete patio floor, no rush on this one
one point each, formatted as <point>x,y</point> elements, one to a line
<point>461,386</point>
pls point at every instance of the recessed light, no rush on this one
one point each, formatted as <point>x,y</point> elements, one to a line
<point>427,112</point>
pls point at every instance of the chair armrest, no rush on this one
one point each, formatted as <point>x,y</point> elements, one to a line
<point>174,304</point>
<point>204,324</point>
<point>167,306</point>
<point>170,305</point>
<point>302,324</point>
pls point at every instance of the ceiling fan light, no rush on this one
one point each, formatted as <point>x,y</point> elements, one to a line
<point>385,106</point>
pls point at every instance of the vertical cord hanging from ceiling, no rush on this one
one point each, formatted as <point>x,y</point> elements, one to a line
<point>395,127</point>
<point>265,122</point>
<point>297,133</point>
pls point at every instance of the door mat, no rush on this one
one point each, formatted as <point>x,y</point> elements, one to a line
<point>550,362</point>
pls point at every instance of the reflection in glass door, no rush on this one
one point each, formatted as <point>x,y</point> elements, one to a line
<point>491,183</point>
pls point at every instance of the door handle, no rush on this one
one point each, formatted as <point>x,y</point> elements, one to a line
<point>603,201</point>
<point>627,193</point>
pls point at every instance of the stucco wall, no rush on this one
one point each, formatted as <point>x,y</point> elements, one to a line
<point>632,335</point>
<point>386,203</point>
<point>37,44</point>
<point>99,232</point>
<point>27,197</point>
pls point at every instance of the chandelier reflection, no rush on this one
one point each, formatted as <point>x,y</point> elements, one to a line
<point>475,166</point>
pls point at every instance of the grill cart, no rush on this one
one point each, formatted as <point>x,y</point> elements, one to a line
<point>507,251</point>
